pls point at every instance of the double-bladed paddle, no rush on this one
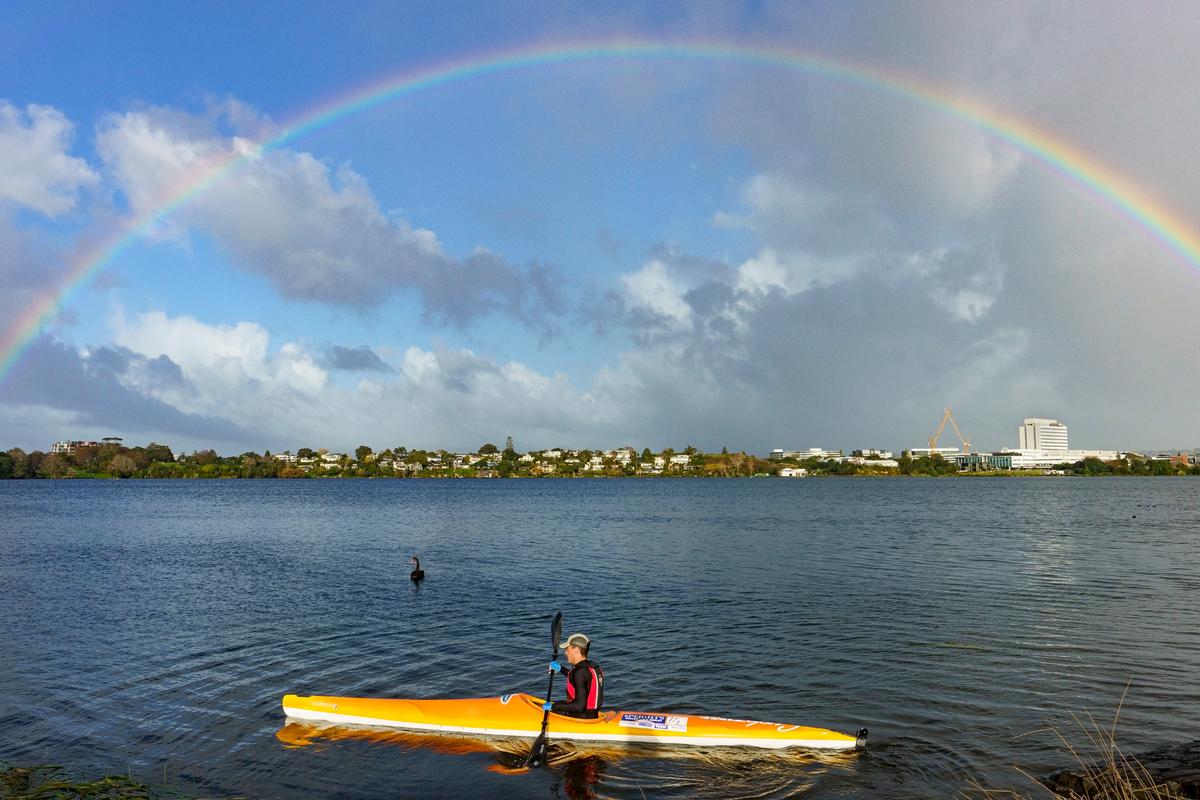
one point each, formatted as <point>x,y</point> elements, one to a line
<point>537,754</point>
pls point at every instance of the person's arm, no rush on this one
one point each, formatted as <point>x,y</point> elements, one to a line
<point>579,679</point>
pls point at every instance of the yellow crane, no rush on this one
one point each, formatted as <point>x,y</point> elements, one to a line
<point>948,417</point>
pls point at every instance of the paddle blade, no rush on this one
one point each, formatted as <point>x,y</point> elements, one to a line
<point>537,753</point>
<point>556,631</point>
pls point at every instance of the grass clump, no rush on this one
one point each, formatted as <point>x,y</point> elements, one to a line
<point>1102,771</point>
<point>47,782</point>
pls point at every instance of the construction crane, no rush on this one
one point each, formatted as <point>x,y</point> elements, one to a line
<point>948,417</point>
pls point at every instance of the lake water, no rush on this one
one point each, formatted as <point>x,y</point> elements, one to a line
<point>152,627</point>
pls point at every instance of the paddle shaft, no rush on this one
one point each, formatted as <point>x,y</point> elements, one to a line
<point>539,744</point>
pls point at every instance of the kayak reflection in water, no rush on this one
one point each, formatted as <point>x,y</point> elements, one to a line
<point>585,680</point>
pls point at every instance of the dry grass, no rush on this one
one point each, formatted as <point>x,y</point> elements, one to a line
<point>1103,772</point>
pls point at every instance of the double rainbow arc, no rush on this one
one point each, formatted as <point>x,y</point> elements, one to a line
<point>1053,153</point>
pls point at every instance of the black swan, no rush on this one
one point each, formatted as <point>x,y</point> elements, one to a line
<point>417,573</point>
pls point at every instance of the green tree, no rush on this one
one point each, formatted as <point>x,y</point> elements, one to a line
<point>20,463</point>
<point>122,465</point>
<point>87,457</point>
<point>6,466</point>
<point>488,449</point>
<point>647,455</point>
<point>305,452</point>
<point>164,469</point>
<point>361,452</point>
<point>159,452</point>
<point>54,466</point>
<point>205,458</point>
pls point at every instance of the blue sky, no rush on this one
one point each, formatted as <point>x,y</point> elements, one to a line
<point>600,253</point>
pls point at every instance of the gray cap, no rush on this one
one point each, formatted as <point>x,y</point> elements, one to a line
<point>575,640</point>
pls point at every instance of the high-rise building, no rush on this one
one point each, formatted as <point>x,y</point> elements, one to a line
<point>1036,433</point>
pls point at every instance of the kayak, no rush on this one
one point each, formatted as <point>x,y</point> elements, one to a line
<point>520,715</point>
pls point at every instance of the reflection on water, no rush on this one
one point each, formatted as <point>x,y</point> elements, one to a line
<point>152,628</point>
<point>578,769</point>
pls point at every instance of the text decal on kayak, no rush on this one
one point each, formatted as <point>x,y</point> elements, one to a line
<point>654,722</point>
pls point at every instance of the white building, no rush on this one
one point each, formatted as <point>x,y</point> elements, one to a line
<point>68,448</point>
<point>1037,433</point>
<point>947,453</point>
<point>793,472</point>
<point>778,454</point>
<point>878,463</point>
<point>1046,459</point>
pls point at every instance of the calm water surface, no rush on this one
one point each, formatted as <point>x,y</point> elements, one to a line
<point>152,627</point>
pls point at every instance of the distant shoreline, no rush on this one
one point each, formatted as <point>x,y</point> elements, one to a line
<point>1021,474</point>
<point>110,459</point>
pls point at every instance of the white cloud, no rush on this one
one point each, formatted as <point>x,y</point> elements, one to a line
<point>314,232</point>
<point>193,344</point>
<point>439,397</point>
<point>35,170</point>
<point>652,288</point>
<point>793,272</point>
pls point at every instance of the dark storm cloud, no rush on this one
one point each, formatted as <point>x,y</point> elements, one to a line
<point>459,292</point>
<point>355,359</point>
<point>52,374</point>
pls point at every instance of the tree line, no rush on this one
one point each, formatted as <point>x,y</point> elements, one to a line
<point>110,460</point>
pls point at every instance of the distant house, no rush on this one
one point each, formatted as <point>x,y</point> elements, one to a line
<point>68,448</point>
<point>793,472</point>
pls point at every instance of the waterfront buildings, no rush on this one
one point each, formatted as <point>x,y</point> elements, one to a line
<point>948,453</point>
<point>778,454</point>
<point>1037,433</point>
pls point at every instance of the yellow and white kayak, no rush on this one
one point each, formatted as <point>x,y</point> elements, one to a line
<point>520,715</point>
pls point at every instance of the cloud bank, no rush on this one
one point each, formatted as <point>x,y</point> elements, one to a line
<point>316,232</point>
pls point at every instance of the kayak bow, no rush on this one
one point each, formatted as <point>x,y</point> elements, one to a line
<point>520,715</point>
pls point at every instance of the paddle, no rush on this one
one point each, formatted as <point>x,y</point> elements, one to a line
<point>537,754</point>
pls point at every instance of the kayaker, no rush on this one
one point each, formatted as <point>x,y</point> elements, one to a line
<point>585,680</point>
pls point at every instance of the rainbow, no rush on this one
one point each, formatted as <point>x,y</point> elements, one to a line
<point>1058,156</point>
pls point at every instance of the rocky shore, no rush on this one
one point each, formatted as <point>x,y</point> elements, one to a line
<point>1174,770</point>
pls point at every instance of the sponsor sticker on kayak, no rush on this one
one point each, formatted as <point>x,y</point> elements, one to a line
<point>654,722</point>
